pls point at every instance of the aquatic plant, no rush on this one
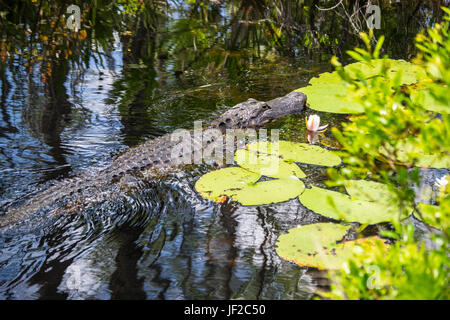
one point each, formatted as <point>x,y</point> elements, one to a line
<point>410,268</point>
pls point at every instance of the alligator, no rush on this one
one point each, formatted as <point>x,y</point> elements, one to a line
<point>148,159</point>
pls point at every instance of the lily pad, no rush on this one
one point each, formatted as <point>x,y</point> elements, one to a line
<point>429,214</point>
<point>331,98</point>
<point>315,245</point>
<point>429,102</point>
<point>267,165</point>
<point>224,182</point>
<point>340,206</point>
<point>242,186</point>
<point>328,92</point>
<point>367,190</point>
<point>297,152</point>
<point>410,73</point>
<point>272,191</point>
<point>403,148</point>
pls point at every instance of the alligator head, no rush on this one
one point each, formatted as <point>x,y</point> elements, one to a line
<point>253,113</point>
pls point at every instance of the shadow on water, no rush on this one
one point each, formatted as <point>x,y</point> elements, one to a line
<point>71,101</point>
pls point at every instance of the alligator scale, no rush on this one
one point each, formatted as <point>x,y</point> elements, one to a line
<point>144,160</point>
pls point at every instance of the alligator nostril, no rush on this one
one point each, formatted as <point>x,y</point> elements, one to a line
<point>222,126</point>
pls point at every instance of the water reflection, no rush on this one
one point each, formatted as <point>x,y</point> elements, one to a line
<point>127,80</point>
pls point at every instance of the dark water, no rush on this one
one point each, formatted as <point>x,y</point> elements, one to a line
<point>162,241</point>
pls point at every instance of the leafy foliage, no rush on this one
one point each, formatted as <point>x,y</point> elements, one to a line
<point>411,268</point>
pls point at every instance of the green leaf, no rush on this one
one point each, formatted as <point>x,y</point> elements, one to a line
<point>315,245</point>
<point>224,182</point>
<point>424,98</point>
<point>429,214</point>
<point>367,190</point>
<point>328,92</point>
<point>271,191</point>
<point>297,152</point>
<point>340,206</point>
<point>331,98</point>
<point>405,148</point>
<point>267,165</point>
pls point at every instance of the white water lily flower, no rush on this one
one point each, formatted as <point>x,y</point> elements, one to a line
<point>442,182</point>
<point>313,123</point>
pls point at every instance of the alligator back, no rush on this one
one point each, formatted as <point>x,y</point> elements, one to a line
<point>149,159</point>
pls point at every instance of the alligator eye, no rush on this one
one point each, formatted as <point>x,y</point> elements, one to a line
<point>228,120</point>
<point>156,161</point>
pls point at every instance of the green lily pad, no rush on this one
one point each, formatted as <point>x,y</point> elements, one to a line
<point>297,152</point>
<point>410,73</point>
<point>267,165</point>
<point>367,190</point>
<point>428,101</point>
<point>331,98</point>
<point>272,191</point>
<point>403,148</point>
<point>328,92</point>
<point>429,214</point>
<point>242,186</point>
<point>316,246</point>
<point>339,206</point>
<point>224,182</point>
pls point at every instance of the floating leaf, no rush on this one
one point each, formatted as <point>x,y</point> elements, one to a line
<point>410,73</point>
<point>367,190</point>
<point>328,92</point>
<point>403,148</point>
<point>315,245</point>
<point>242,186</point>
<point>271,191</point>
<point>428,101</point>
<point>429,214</point>
<point>225,181</point>
<point>297,152</point>
<point>330,98</point>
<point>339,206</point>
<point>267,165</point>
